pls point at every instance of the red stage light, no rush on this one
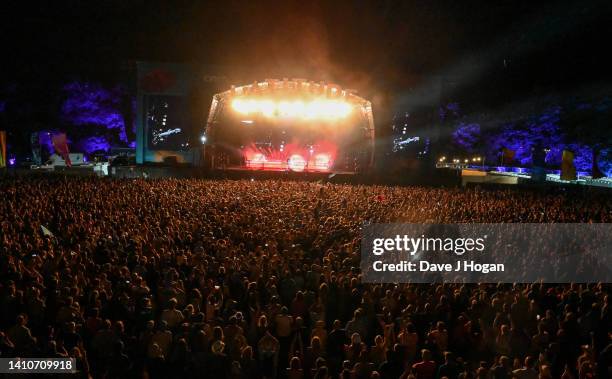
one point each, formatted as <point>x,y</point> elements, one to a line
<point>258,158</point>
<point>296,163</point>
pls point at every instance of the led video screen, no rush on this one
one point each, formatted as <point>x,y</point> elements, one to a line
<point>167,124</point>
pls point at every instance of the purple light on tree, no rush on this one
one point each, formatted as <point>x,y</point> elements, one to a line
<point>89,104</point>
<point>467,136</point>
<point>605,162</point>
<point>523,135</point>
<point>93,144</point>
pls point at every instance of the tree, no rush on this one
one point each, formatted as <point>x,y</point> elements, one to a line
<point>591,125</point>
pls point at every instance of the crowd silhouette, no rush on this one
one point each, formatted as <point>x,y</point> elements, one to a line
<point>179,278</point>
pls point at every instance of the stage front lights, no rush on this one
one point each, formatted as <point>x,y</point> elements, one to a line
<point>267,107</point>
<point>245,106</point>
<point>296,163</point>
<point>291,108</point>
<point>327,109</point>
<point>323,161</point>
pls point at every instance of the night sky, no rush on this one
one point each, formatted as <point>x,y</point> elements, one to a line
<point>369,45</point>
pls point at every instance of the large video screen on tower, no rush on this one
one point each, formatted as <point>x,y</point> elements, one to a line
<point>168,127</point>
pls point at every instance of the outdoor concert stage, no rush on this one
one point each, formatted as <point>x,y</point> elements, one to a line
<point>188,115</point>
<point>290,125</point>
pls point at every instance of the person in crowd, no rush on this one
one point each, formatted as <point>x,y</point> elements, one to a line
<point>295,369</point>
<point>172,316</point>
<point>527,371</point>
<point>449,369</point>
<point>426,368</point>
<point>378,351</point>
<point>502,369</point>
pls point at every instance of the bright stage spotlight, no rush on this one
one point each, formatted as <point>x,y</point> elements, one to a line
<point>244,106</point>
<point>238,105</point>
<point>267,108</point>
<point>296,163</point>
<point>321,108</point>
<point>291,108</point>
<point>327,109</point>
<point>337,109</point>
<point>323,161</point>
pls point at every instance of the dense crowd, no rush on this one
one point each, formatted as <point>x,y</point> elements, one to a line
<point>259,279</point>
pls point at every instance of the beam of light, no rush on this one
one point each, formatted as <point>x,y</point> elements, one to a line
<point>316,109</point>
<point>469,68</point>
